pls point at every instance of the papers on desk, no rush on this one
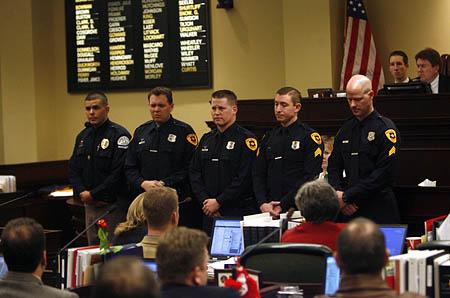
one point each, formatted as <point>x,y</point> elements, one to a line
<point>219,265</point>
<point>427,183</point>
<point>65,192</point>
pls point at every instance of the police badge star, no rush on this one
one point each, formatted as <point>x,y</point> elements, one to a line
<point>371,136</point>
<point>230,145</point>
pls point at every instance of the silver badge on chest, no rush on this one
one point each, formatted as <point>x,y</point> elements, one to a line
<point>230,145</point>
<point>371,136</point>
<point>171,138</point>
<point>295,145</point>
<point>104,144</point>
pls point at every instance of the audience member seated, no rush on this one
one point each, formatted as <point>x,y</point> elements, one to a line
<point>126,277</point>
<point>361,255</point>
<point>318,203</point>
<point>134,228</point>
<point>429,64</point>
<point>161,214</point>
<point>23,247</point>
<point>398,66</point>
<point>182,261</point>
<point>328,142</point>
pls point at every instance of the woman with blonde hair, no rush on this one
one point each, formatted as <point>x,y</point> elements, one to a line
<point>134,228</point>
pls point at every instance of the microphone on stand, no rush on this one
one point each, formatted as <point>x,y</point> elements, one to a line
<point>93,223</point>
<point>21,197</point>
<point>186,200</point>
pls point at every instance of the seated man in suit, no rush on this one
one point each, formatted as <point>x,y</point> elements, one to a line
<point>126,277</point>
<point>318,203</point>
<point>361,255</point>
<point>161,214</point>
<point>23,247</point>
<point>429,64</point>
<point>182,260</point>
<point>398,66</point>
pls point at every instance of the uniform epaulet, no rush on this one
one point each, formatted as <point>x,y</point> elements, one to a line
<point>180,123</point>
<point>146,123</point>
<point>387,121</point>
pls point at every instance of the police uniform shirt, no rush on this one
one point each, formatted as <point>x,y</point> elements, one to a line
<point>221,169</point>
<point>161,153</point>
<point>366,151</point>
<point>96,164</point>
<point>288,158</point>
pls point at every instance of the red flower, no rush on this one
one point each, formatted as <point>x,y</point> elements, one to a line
<point>102,224</point>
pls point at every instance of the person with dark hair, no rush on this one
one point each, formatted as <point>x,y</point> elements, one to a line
<point>361,256</point>
<point>362,165</point>
<point>23,247</point>
<point>160,153</point>
<point>429,64</point>
<point>96,165</point>
<point>126,277</point>
<point>398,66</point>
<point>290,155</point>
<point>182,262</point>
<point>318,204</point>
<point>161,213</point>
<point>226,152</point>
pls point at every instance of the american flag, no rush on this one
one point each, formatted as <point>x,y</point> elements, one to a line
<point>360,55</point>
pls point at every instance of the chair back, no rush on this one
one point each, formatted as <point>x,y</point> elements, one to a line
<point>290,263</point>
<point>435,244</point>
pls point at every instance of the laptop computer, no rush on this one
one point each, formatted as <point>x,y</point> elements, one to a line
<point>332,277</point>
<point>151,264</point>
<point>226,239</point>
<point>394,236</point>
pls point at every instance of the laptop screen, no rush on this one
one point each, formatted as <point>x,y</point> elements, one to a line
<point>332,277</point>
<point>151,264</point>
<point>227,240</point>
<point>395,237</point>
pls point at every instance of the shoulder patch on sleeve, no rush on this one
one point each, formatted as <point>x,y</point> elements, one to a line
<point>391,135</point>
<point>316,138</point>
<point>251,143</point>
<point>123,142</point>
<point>192,138</point>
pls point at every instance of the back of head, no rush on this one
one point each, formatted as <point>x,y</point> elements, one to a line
<point>135,216</point>
<point>179,252</point>
<point>293,93</point>
<point>157,91</point>
<point>431,55</point>
<point>228,94</point>
<point>361,247</point>
<point>97,95</point>
<point>317,201</point>
<point>159,205</point>
<point>126,277</point>
<point>22,244</point>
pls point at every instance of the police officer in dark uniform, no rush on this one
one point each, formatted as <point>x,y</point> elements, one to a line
<point>289,156</point>
<point>160,153</point>
<point>220,171</point>
<point>96,165</point>
<point>361,167</point>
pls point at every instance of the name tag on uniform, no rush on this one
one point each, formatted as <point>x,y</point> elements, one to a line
<point>278,157</point>
<point>154,151</point>
<point>215,159</point>
<point>205,149</point>
<point>345,142</point>
<point>354,153</point>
